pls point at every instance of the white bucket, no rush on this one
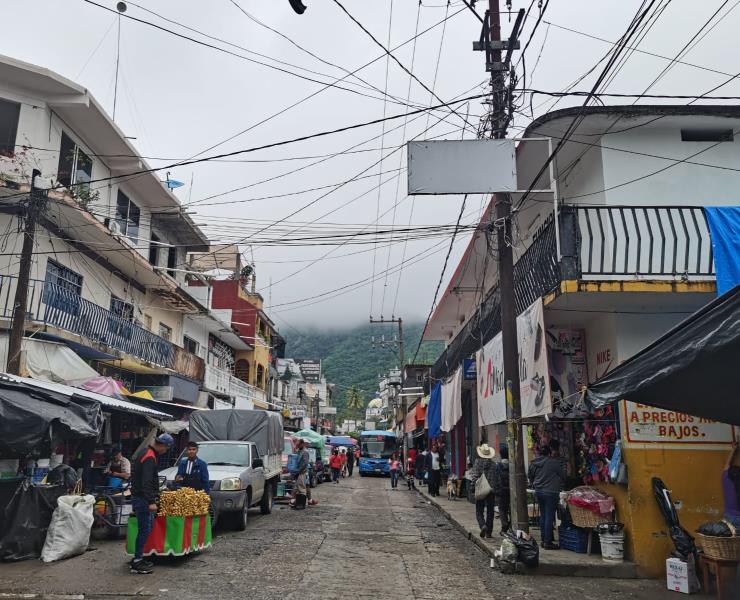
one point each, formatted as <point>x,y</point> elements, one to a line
<point>612,546</point>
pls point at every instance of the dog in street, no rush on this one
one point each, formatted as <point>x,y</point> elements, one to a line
<point>452,487</point>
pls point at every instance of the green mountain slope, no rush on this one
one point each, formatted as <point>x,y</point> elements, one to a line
<point>348,357</point>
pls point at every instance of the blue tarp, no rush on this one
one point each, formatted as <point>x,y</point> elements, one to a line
<point>434,411</point>
<point>724,226</point>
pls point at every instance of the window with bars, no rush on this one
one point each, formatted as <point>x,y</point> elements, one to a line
<point>64,288</point>
<point>75,167</point>
<point>165,332</point>
<point>190,345</point>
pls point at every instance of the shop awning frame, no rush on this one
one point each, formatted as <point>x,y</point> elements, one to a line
<point>693,369</point>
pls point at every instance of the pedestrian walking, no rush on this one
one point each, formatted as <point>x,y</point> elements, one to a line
<point>350,462</point>
<point>434,470</point>
<point>343,456</point>
<point>335,464</point>
<point>503,491</point>
<point>300,490</point>
<point>145,497</point>
<point>192,471</point>
<point>420,466</point>
<point>395,467</point>
<point>546,475</point>
<point>410,468</point>
<point>484,467</point>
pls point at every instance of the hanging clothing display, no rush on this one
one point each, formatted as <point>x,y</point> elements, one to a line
<point>452,401</point>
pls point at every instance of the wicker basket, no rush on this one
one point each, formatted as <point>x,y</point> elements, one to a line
<point>722,548</point>
<point>582,517</point>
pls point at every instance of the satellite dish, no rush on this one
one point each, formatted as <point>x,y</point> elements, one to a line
<point>121,6</point>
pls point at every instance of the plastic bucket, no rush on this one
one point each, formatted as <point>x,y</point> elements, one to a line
<point>612,546</point>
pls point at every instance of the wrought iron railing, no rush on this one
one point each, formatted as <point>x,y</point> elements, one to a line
<point>55,305</point>
<point>656,242</point>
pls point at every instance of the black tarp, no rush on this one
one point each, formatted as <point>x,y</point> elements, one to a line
<point>262,427</point>
<point>693,369</point>
<point>29,416</point>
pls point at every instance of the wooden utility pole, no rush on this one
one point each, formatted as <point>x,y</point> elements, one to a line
<point>34,207</point>
<point>502,225</point>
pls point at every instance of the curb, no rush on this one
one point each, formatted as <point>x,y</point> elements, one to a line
<point>625,570</point>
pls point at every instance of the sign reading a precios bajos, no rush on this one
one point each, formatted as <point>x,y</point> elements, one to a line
<point>649,424</point>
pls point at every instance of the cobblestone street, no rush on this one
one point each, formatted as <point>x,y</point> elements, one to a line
<point>362,541</point>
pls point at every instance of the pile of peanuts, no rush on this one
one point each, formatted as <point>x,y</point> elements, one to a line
<point>185,502</point>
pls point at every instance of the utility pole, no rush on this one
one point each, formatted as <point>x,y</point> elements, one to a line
<point>499,120</point>
<point>35,206</point>
<point>401,356</point>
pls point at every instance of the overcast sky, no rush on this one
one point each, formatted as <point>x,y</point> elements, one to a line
<point>179,99</point>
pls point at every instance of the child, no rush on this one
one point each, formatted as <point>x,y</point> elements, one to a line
<point>410,467</point>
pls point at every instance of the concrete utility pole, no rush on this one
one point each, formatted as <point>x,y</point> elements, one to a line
<point>401,355</point>
<point>35,206</point>
<point>499,120</point>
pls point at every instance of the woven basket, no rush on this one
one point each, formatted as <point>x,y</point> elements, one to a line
<point>722,548</point>
<point>582,517</point>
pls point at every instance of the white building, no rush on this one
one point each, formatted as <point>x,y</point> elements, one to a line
<point>110,247</point>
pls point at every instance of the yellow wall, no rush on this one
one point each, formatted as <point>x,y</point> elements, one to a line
<point>694,478</point>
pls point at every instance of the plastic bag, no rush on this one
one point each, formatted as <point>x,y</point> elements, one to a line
<point>718,529</point>
<point>527,549</point>
<point>69,531</point>
<point>26,520</point>
<point>506,557</point>
<point>63,475</point>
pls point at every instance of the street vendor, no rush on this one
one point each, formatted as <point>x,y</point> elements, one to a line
<point>120,466</point>
<point>145,497</point>
<point>192,471</point>
<point>731,487</point>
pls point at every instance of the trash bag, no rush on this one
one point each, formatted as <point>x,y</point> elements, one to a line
<point>506,557</point>
<point>683,541</point>
<point>69,531</point>
<point>27,519</point>
<point>718,529</point>
<point>63,475</point>
<point>527,549</point>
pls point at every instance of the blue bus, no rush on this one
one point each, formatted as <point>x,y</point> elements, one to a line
<point>376,448</point>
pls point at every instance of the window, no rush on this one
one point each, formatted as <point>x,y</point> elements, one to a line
<point>148,322</point>
<point>165,332</point>
<point>127,216</point>
<point>260,376</point>
<point>9,112</point>
<point>154,250</point>
<point>121,308</point>
<point>63,288</point>
<point>75,167</point>
<point>171,261</point>
<point>707,135</point>
<point>241,370</point>
<point>190,345</point>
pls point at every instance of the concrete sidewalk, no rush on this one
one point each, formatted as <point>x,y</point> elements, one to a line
<point>461,513</point>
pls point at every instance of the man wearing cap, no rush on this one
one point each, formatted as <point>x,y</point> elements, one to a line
<point>484,507</point>
<point>145,496</point>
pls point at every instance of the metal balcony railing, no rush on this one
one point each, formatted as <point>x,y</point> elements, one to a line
<point>55,305</point>
<point>659,242</point>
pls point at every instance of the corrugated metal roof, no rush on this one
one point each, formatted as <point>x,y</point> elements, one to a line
<point>106,401</point>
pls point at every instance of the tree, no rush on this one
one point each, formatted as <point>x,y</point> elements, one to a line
<point>354,398</point>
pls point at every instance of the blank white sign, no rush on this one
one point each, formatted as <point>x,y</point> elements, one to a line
<point>461,167</point>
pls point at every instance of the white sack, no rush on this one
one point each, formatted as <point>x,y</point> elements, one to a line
<point>69,531</point>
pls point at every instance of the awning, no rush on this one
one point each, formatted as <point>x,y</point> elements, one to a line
<point>694,368</point>
<point>409,424</point>
<point>106,401</point>
<point>421,413</point>
<point>50,361</point>
<point>82,350</point>
<point>30,415</point>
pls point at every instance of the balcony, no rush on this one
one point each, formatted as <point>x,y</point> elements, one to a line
<point>222,382</point>
<point>56,306</point>
<point>604,243</point>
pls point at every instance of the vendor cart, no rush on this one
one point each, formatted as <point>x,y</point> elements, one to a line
<point>172,536</point>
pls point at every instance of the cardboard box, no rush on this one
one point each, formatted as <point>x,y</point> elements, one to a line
<point>680,576</point>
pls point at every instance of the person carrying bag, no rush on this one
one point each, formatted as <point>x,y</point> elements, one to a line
<point>483,477</point>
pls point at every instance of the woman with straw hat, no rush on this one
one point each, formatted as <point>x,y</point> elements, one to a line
<point>485,492</point>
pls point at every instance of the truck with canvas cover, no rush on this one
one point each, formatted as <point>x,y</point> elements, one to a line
<point>243,449</point>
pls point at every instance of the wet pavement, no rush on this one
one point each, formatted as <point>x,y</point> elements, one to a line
<point>363,540</point>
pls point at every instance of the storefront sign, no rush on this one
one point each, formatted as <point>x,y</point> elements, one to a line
<point>650,424</point>
<point>469,369</point>
<point>310,369</point>
<point>534,381</point>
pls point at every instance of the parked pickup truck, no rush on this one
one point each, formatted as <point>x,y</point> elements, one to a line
<point>243,449</point>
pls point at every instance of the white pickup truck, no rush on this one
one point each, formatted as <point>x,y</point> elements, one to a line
<point>243,450</point>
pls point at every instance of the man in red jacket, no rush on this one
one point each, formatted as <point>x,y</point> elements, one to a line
<point>145,496</point>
